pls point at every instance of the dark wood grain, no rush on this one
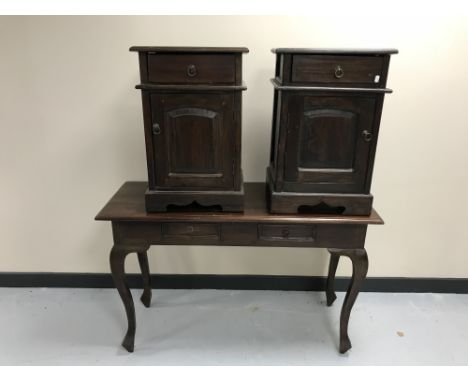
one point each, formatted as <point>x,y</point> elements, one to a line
<point>194,148</point>
<point>147,118</point>
<point>327,111</point>
<point>360,263</point>
<point>135,230</point>
<point>307,68</point>
<point>192,121</point>
<point>117,265</point>
<point>326,89</point>
<point>330,286</point>
<point>192,88</point>
<point>170,68</point>
<point>327,134</point>
<point>274,234</point>
<point>186,200</point>
<point>184,49</point>
<point>128,204</point>
<point>356,52</point>
<point>145,273</point>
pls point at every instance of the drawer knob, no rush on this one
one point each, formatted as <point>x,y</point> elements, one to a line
<point>367,135</point>
<point>285,232</point>
<point>156,129</point>
<point>339,72</point>
<point>191,70</point>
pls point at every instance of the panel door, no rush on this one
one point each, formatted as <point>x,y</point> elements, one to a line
<point>328,142</point>
<point>193,140</point>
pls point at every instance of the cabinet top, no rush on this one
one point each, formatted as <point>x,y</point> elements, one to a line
<point>188,49</point>
<point>364,52</point>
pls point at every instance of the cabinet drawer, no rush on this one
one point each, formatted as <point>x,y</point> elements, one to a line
<point>365,71</point>
<point>189,231</point>
<point>190,68</point>
<point>281,232</point>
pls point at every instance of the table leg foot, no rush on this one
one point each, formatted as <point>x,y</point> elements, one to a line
<point>331,299</point>
<point>360,265</point>
<point>129,342</point>
<point>145,273</point>
<point>330,288</point>
<point>345,344</point>
<point>146,298</point>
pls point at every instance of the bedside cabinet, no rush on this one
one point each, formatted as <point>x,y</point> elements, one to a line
<point>327,109</point>
<point>192,121</point>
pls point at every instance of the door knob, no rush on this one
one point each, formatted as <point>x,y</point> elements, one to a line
<point>339,72</point>
<point>367,135</point>
<point>192,70</point>
<point>156,129</point>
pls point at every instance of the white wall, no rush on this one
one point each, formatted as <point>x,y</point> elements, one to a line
<point>72,133</point>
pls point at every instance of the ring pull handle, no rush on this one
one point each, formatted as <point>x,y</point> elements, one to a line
<point>156,129</point>
<point>191,70</point>
<point>339,72</point>
<point>367,135</point>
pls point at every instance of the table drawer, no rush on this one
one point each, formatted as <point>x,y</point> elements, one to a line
<point>191,231</point>
<point>136,232</point>
<point>286,232</point>
<point>364,71</point>
<point>191,68</point>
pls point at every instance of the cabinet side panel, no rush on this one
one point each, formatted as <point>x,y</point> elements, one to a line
<point>145,98</point>
<point>385,66</point>
<point>281,133</point>
<point>373,147</point>
<point>286,64</point>
<point>237,124</point>
<point>277,66</point>
<point>143,58</point>
<point>274,132</point>
<point>238,80</point>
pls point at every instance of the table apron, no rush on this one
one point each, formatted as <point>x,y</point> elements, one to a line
<point>240,234</point>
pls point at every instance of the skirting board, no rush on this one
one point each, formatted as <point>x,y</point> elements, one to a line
<point>240,282</point>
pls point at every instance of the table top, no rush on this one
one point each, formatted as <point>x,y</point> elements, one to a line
<point>128,204</point>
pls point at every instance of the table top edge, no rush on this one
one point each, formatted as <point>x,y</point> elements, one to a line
<point>228,217</point>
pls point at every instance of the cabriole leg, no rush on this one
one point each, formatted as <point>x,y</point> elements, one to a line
<point>330,288</point>
<point>360,265</point>
<point>145,273</point>
<point>117,265</point>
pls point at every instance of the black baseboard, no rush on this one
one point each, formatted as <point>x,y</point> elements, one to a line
<point>240,282</point>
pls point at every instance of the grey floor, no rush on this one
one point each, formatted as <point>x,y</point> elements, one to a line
<point>215,327</point>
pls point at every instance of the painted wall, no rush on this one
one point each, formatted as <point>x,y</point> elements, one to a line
<point>72,132</point>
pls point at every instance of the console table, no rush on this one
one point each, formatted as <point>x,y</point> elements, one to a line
<point>135,230</point>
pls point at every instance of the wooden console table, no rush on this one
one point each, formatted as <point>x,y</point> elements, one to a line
<point>135,230</point>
